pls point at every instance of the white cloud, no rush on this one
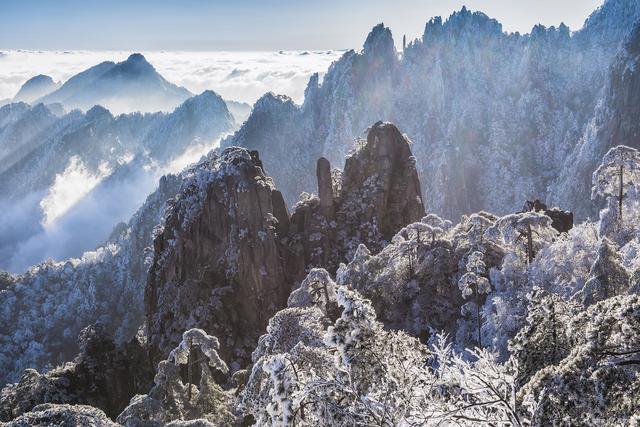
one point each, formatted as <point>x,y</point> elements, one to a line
<point>80,209</point>
<point>241,76</point>
<point>69,188</point>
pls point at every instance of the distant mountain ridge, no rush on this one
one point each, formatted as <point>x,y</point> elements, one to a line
<point>34,88</point>
<point>125,153</point>
<point>132,85</point>
<point>127,86</point>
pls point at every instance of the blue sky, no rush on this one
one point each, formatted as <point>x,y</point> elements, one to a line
<point>249,24</point>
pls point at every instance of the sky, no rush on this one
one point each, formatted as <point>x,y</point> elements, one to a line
<point>206,25</point>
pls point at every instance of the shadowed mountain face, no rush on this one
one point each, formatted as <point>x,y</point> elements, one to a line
<point>230,252</point>
<point>61,174</point>
<point>131,85</point>
<point>34,88</point>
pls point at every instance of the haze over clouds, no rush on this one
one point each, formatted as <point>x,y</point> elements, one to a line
<point>239,76</point>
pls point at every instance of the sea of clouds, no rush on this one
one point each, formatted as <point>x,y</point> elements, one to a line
<point>238,76</point>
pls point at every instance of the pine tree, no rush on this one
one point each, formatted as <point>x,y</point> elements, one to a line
<point>473,284</point>
<point>608,276</point>
<point>542,341</point>
<point>529,230</point>
<point>618,173</point>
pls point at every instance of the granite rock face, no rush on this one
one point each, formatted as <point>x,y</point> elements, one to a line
<point>376,194</point>
<point>229,253</point>
<point>560,220</point>
<point>218,263</point>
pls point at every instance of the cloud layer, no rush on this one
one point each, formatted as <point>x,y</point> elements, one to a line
<point>240,76</point>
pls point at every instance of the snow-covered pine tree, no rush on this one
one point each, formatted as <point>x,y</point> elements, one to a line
<point>617,180</point>
<point>542,341</point>
<point>608,276</point>
<point>473,284</point>
<point>171,399</point>
<point>528,230</point>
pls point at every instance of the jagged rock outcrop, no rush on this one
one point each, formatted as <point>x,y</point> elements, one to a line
<point>376,195</point>
<point>229,254</point>
<point>560,220</point>
<point>218,262</point>
<point>494,116</point>
<point>103,375</point>
<point>387,166</point>
<point>325,188</point>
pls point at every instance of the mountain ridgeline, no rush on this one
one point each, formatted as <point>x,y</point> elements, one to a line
<point>127,86</point>
<point>42,150</point>
<point>494,117</point>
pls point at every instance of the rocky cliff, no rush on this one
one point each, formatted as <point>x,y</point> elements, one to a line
<point>494,116</point>
<point>376,194</point>
<point>229,254</point>
<point>218,263</point>
<point>615,123</point>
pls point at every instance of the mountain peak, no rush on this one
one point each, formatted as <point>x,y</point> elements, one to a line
<point>131,85</point>
<point>208,101</point>
<point>35,88</point>
<point>608,25</point>
<point>136,63</point>
<point>136,57</point>
<point>270,101</point>
<point>379,42</point>
<point>40,78</point>
<point>98,111</point>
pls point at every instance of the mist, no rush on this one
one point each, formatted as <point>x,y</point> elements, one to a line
<point>80,210</point>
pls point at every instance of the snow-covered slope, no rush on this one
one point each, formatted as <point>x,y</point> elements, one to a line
<point>44,309</point>
<point>615,123</point>
<point>493,116</point>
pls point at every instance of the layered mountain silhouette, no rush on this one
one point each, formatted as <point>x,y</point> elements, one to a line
<point>39,150</point>
<point>131,85</point>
